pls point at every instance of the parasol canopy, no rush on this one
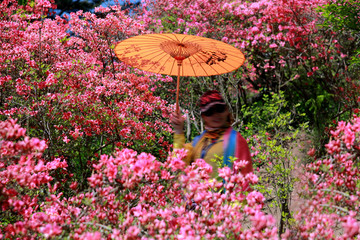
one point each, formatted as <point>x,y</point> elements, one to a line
<point>179,55</point>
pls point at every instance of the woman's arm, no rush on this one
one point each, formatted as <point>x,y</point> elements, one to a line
<point>177,121</point>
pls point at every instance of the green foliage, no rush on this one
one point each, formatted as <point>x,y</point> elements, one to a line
<point>342,14</point>
<point>355,59</point>
<point>319,103</point>
<point>269,130</point>
<point>270,115</point>
<point>318,106</point>
<point>219,160</point>
<point>22,2</point>
<point>169,23</point>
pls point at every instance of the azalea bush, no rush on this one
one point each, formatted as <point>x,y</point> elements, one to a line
<point>331,194</point>
<point>286,46</point>
<point>60,78</point>
<point>136,196</point>
<point>95,159</point>
<point>23,174</point>
<point>131,196</point>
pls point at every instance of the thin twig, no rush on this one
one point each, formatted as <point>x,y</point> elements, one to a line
<point>338,208</point>
<point>188,128</point>
<point>99,225</point>
<point>335,191</point>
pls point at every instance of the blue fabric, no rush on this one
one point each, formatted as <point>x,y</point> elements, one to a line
<point>197,138</point>
<point>230,149</point>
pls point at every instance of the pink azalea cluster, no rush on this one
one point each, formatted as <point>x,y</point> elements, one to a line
<point>281,40</point>
<point>61,79</point>
<point>134,196</point>
<point>331,211</point>
<point>168,200</point>
<point>262,25</point>
<point>23,172</point>
<point>80,87</point>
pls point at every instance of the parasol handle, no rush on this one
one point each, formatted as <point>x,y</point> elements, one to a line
<point>178,87</point>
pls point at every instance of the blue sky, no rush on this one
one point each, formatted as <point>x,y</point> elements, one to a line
<point>104,4</point>
<point>112,2</point>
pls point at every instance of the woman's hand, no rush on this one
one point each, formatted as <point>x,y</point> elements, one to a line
<point>177,121</point>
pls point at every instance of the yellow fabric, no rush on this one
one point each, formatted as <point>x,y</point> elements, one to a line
<point>195,153</point>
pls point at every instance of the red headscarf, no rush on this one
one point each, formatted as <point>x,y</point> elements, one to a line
<point>209,99</point>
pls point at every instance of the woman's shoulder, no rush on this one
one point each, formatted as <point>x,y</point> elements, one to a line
<point>235,133</point>
<point>197,138</point>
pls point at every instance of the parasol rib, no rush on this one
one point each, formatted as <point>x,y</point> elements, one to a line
<point>172,67</point>
<point>201,64</point>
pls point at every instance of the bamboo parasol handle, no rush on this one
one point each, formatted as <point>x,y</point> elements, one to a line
<point>178,87</point>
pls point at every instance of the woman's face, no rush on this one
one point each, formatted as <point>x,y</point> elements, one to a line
<point>216,119</point>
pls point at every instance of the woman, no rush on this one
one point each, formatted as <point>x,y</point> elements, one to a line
<point>218,139</point>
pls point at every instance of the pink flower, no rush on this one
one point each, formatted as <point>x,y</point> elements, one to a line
<point>133,231</point>
<point>314,178</point>
<point>75,134</point>
<point>225,39</point>
<point>73,185</point>
<point>50,230</point>
<point>176,164</point>
<point>91,236</point>
<point>255,198</point>
<point>261,221</point>
<point>351,227</point>
<point>333,146</point>
<point>180,21</point>
<point>273,45</point>
<point>349,136</point>
<point>252,178</point>
<point>66,139</point>
<point>315,69</point>
<point>224,172</point>
<point>311,152</point>
<point>43,3</point>
<point>239,164</point>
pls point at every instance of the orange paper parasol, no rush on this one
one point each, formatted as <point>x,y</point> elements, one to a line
<point>179,55</point>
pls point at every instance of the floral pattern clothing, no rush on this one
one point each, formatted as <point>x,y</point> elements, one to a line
<point>230,143</point>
